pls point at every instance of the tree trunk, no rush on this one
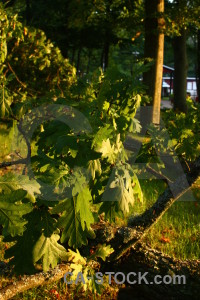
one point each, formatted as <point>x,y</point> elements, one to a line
<point>198,64</point>
<point>73,55</point>
<point>89,60</point>
<point>154,49</point>
<point>78,61</point>
<point>180,73</point>
<point>105,56</point>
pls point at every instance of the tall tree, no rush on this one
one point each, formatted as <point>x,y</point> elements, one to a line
<point>184,16</point>
<point>180,72</point>
<point>180,61</point>
<point>198,64</point>
<point>154,49</point>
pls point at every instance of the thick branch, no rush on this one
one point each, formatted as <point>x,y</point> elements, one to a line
<point>28,282</point>
<point>143,259</point>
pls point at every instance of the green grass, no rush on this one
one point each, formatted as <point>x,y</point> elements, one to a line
<point>177,233</point>
<point>61,291</point>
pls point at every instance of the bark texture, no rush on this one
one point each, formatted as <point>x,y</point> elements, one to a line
<point>144,259</point>
<point>28,282</point>
<point>154,49</point>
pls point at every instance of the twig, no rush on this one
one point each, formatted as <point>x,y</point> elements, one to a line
<point>20,82</point>
<point>157,174</point>
<point>22,161</point>
<point>58,83</point>
<point>17,78</point>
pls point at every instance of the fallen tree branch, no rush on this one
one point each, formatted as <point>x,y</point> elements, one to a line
<point>31,281</point>
<point>140,258</point>
<point>144,259</point>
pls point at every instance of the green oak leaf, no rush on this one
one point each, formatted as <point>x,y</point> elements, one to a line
<point>70,222</point>
<point>11,212</point>
<point>78,183</point>
<point>110,152</point>
<point>49,251</point>
<point>38,242</point>
<point>103,134</point>
<point>84,208</point>
<point>107,150</point>
<point>120,189</point>
<point>10,182</point>
<point>120,193</point>
<point>21,253</point>
<point>47,247</point>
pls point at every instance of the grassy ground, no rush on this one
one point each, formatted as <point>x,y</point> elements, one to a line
<point>177,233</point>
<point>60,291</point>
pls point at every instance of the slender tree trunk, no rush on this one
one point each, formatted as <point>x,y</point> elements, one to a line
<point>198,64</point>
<point>180,73</point>
<point>89,60</point>
<point>105,55</point>
<point>73,55</point>
<point>154,49</point>
<point>78,61</point>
